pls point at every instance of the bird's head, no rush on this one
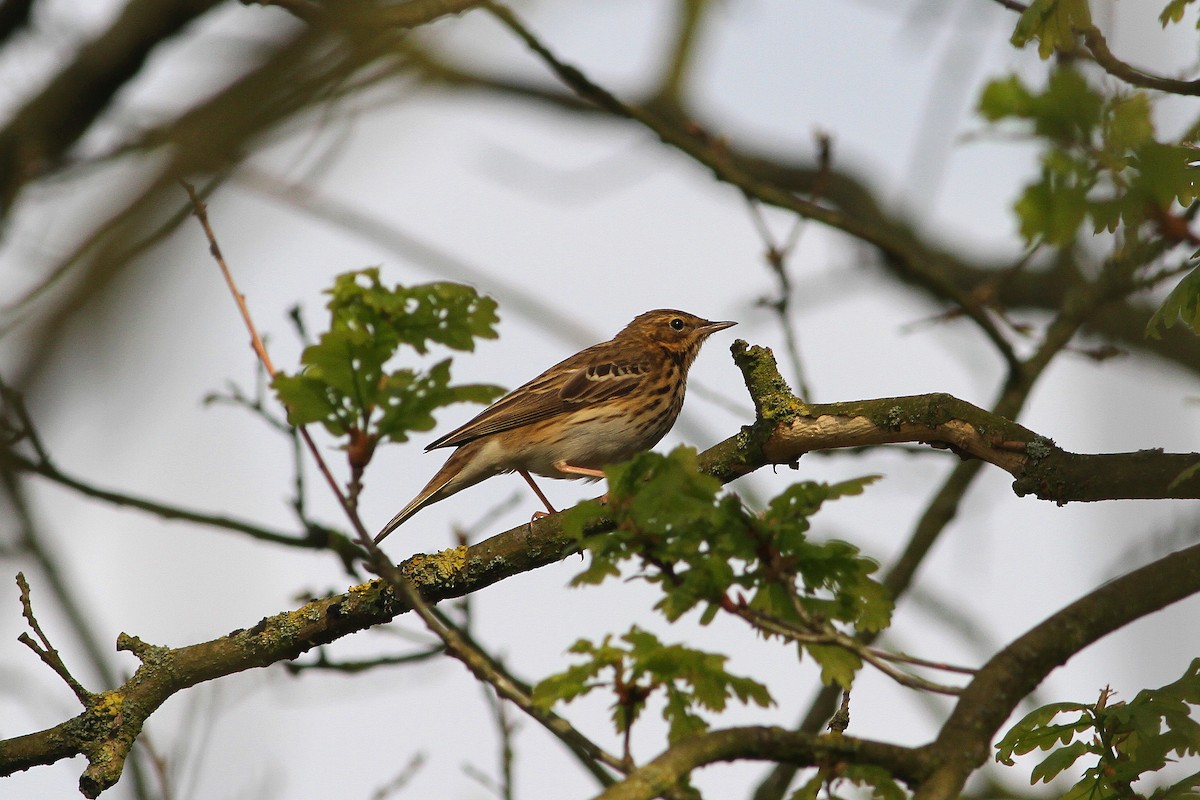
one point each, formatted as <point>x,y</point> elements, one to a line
<point>678,332</point>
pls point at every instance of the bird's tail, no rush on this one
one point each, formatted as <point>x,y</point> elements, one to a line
<point>426,497</point>
<point>461,470</point>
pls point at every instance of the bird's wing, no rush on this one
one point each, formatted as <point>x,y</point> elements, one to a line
<point>593,376</point>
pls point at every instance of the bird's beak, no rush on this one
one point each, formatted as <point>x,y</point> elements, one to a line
<point>713,327</point>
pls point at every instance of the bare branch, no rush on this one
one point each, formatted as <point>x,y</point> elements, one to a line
<point>318,538</point>
<point>45,651</point>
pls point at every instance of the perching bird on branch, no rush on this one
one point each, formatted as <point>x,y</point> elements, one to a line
<point>598,407</point>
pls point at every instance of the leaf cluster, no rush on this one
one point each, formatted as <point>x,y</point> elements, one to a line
<point>637,667</point>
<point>1101,162</point>
<point>710,551</point>
<point>1127,740</point>
<point>345,384</point>
<point>1173,12</point>
<point>1052,23</point>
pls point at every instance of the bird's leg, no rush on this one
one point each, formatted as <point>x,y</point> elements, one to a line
<point>570,469</point>
<point>537,514</point>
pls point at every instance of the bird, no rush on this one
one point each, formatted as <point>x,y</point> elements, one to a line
<point>598,407</point>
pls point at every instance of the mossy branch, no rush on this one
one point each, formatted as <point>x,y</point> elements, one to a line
<point>787,429</point>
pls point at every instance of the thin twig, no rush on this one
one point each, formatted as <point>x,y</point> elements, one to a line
<point>165,511</point>
<point>24,428</point>
<point>826,634</point>
<point>904,658</point>
<point>397,784</point>
<point>776,257</point>
<point>1098,47</point>
<point>480,664</point>
<point>200,211</point>
<point>324,663</point>
<point>713,153</point>
<point>46,651</point>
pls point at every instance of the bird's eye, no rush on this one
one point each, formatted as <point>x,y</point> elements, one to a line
<point>677,324</point>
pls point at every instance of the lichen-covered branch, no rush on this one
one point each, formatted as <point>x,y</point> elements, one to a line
<point>769,744</point>
<point>785,430</point>
<point>107,728</point>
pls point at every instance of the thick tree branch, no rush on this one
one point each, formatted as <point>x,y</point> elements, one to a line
<point>964,742</point>
<point>766,744</point>
<point>14,17</point>
<point>787,429</point>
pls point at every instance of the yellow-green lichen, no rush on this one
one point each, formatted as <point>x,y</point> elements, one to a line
<point>774,401</point>
<point>437,568</point>
<point>109,704</point>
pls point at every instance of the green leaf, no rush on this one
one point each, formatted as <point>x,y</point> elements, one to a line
<point>1052,23</point>
<point>883,785</point>
<point>1128,740</point>
<point>838,665</point>
<point>664,516</point>
<point>692,680</point>
<point>1181,306</point>
<point>344,384</point>
<point>1165,174</point>
<point>409,399</point>
<point>1021,737</point>
<point>1186,789</point>
<point>810,789</point>
<point>682,722</point>
<point>445,313</point>
<point>1128,123</point>
<point>579,679</point>
<point>1006,97</point>
<point>662,494</point>
<point>1089,788</point>
<point>308,400</point>
<point>1059,760</point>
<point>1173,11</point>
<point>1052,210</point>
<point>1067,110</point>
<point>873,605</point>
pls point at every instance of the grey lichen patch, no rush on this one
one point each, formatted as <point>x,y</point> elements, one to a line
<point>479,564</point>
<point>286,628</point>
<point>1039,448</point>
<point>894,418</point>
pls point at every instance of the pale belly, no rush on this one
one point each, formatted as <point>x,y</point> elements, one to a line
<point>594,440</point>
